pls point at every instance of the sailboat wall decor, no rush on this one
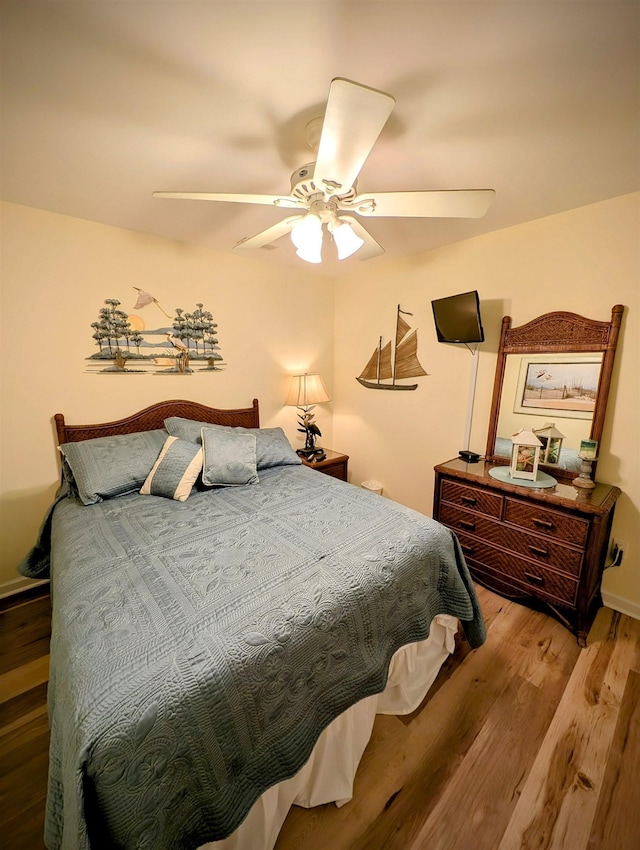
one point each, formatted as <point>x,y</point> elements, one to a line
<point>390,363</point>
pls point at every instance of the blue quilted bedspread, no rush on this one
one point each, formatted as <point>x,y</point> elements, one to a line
<point>199,648</point>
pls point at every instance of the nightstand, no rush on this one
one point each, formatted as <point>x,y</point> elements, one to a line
<point>335,464</point>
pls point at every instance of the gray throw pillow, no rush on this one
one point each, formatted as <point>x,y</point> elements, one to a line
<point>272,446</point>
<point>229,458</point>
<point>111,466</point>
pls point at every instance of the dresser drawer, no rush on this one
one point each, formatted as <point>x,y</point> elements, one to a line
<point>544,550</point>
<point>551,523</point>
<point>536,579</point>
<point>472,498</point>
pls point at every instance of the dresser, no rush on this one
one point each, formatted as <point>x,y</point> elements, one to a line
<point>334,464</point>
<point>544,547</point>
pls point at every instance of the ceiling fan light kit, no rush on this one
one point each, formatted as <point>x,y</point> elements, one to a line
<point>306,235</point>
<point>354,117</point>
<point>347,242</point>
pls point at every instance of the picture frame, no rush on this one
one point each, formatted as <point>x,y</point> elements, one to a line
<point>564,385</point>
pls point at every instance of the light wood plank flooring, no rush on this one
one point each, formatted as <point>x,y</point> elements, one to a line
<point>528,742</point>
<point>25,624</point>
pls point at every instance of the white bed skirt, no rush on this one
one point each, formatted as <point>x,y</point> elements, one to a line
<point>329,773</point>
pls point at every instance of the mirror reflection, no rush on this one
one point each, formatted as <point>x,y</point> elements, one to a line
<point>549,391</point>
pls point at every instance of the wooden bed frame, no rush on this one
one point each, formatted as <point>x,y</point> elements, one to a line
<point>153,417</point>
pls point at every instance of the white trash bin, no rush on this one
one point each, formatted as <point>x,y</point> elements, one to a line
<point>373,486</point>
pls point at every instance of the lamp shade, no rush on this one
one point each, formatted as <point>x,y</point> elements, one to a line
<point>306,235</point>
<point>306,390</point>
<point>346,239</point>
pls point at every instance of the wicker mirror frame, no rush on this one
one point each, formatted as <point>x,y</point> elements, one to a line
<point>552,333</point>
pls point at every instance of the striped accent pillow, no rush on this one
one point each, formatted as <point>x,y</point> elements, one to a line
<point>175,471</point>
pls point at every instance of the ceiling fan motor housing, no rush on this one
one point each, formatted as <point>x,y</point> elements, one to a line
<point>303,187</point>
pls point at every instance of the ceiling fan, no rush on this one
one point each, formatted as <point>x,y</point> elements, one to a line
<point>325,191</point>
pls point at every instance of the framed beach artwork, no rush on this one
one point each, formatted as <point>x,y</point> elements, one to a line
<point>147,339</point>
<point>564,385</point>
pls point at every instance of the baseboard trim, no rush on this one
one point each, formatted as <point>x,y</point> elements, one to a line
<point>16,587</point>
<point>619,603</point>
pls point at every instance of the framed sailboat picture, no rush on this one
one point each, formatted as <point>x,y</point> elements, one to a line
<point>391,363</point>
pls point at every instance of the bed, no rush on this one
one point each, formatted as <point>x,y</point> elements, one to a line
<point>222,641</point>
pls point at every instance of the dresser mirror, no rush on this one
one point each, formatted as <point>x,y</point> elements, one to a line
<point>555,371</point>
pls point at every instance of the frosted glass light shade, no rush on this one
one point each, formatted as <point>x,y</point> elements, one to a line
<point>306,390</point>
<point>306,235</point>
<point>346,239</point>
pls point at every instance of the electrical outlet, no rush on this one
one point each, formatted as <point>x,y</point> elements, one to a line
<point>615,554</point>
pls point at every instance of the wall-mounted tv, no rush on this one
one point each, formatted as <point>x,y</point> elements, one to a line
<point>458,319</point>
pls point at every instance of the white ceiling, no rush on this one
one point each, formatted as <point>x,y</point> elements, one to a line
<point>105,101</point>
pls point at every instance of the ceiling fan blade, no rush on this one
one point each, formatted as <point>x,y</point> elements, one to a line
<point>353,119</point>
<point>271,200</point>
<point>370,248</point>
<point>453,203</point>
<point>270,234</point>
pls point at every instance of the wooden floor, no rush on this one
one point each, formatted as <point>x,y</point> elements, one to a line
<point>528,742</point>
<point>25,623</point>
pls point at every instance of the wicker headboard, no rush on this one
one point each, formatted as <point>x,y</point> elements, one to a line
<point>154,416</point>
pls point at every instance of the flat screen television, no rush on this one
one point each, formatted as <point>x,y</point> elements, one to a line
<point>458,319</point>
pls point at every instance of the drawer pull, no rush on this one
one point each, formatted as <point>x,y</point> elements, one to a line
<point>468,550</point>
<point>534,579</point>
<point>470,526</point>
<point>468,500</point>
<point>536,551</point>
<point>543,523</point>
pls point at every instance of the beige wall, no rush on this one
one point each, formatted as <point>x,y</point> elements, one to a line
<point>56,273</point>
<point>585,261</point>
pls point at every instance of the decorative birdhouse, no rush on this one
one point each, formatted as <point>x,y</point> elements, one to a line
<point>525,455</point>
<point>551,440</point>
